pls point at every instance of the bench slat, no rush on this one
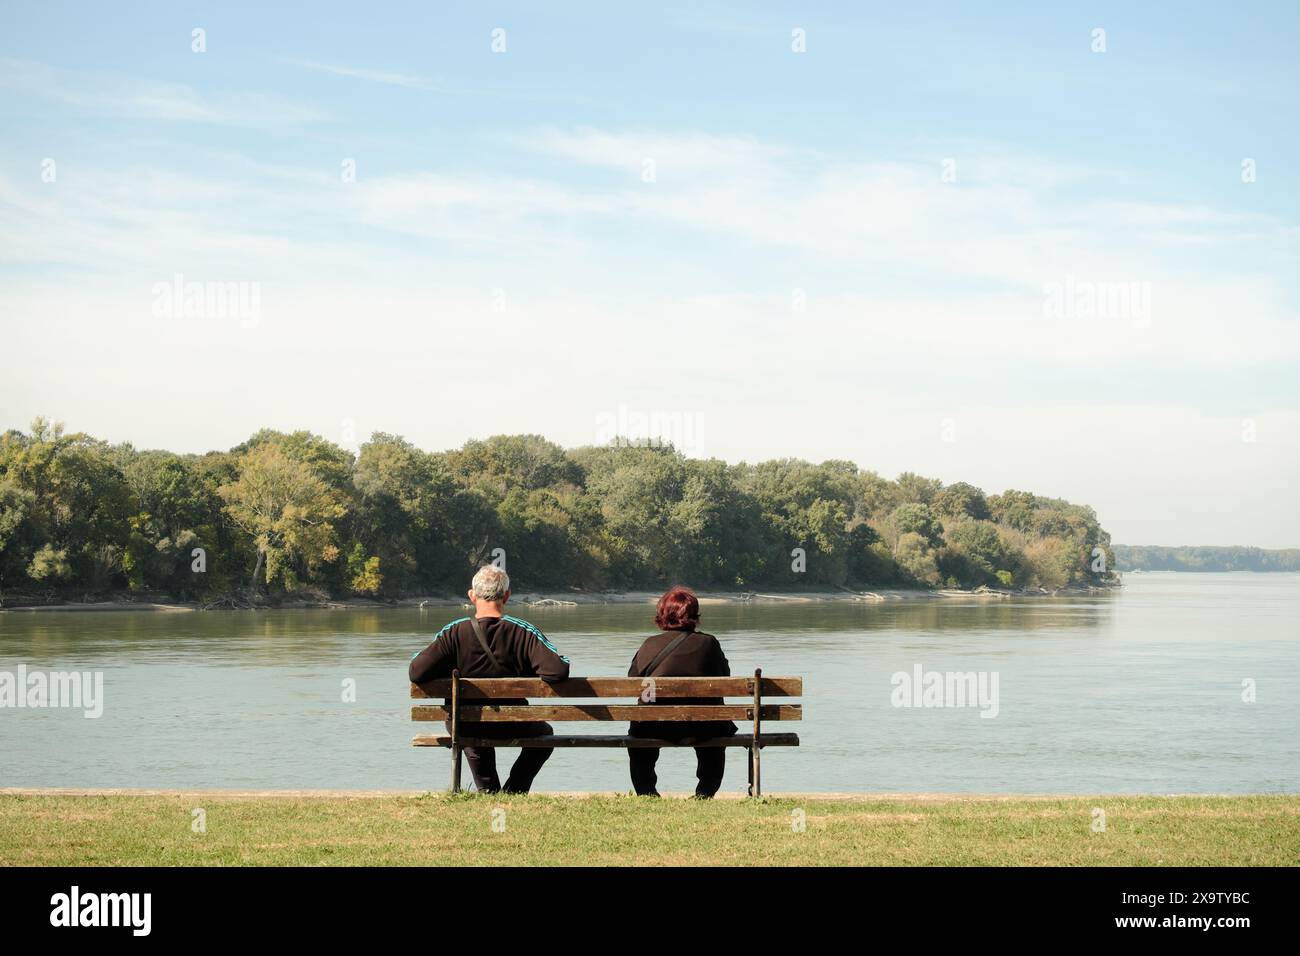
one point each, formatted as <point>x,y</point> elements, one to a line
<point>492,687</point>
<point>490,713</point>
<point>605,740</point>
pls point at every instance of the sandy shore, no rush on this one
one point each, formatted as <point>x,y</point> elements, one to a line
<point>579,598</point>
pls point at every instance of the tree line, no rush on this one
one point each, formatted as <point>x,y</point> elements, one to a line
<point>295,514</point>
<point>1133,557</point>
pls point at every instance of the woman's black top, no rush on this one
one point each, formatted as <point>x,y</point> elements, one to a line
<point>700,655</point>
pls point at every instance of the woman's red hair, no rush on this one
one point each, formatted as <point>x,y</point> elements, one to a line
<point>678,610</point>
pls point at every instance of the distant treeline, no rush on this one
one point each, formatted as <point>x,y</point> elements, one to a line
<point>1133,557</point>
<point>294,513</point>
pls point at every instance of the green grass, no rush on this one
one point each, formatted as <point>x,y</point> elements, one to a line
<point>545,830</point>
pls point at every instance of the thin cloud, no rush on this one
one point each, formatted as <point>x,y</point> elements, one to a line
<point>934,267</point>
<point>405,80</point>
<point>131,98</point>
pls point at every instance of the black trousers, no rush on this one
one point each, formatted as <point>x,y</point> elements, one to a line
<point>483,760</point>
<point>709,765</point>
<point>483,765</point>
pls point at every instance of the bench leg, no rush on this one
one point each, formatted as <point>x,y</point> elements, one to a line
<point>755,777</point>
<point>455,731</point>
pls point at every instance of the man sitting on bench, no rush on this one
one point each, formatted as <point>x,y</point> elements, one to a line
<point>492,644</point>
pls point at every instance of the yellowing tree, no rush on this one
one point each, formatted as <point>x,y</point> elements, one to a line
<point>288,511</point>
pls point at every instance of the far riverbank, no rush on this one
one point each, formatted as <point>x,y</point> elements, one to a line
<point>572,599</point>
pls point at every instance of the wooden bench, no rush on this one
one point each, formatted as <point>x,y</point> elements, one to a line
<point>469,699</point>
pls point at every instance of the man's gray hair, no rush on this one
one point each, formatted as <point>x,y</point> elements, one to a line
<point>491,583</point>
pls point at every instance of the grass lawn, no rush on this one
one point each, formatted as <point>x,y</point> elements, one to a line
<point>438,829</point>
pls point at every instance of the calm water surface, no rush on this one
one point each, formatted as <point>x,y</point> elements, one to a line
<point>1140,691</point>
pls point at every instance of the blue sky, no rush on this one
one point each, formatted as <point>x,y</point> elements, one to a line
<point>847,252</point>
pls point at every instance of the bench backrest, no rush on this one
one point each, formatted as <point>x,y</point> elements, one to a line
<point>474,698</point>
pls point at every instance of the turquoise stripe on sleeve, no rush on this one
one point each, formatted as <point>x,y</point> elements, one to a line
<point>537,634</point>
<point>445,629</point>
<point>449,626</point>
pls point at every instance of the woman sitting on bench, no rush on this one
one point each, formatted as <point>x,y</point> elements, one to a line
<point>679,650</point>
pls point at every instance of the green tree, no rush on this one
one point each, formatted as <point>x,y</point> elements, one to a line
<point>917,519</point>
<point>403,512</point>
<point>287,510</point>
<point>975,553</point>
<point>49,564</point>
<point>363,572</point>
<point>15,502</point>
<point>808,506</point>
<point>172,505</point>
<point>1015,509</point>
<point>635,489</point>
<point>960,501</point>
<point>912,488</point>
<point>916,559</point>
<point>73,500</point>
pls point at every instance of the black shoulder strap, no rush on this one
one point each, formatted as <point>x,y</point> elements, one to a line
<point>482,641</point>
<point>659,658</point>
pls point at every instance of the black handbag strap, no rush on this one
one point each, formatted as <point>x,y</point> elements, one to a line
<point>659,658</point>
<point>482,641</point>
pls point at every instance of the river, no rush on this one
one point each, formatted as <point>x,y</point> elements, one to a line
<point>1178,683</point>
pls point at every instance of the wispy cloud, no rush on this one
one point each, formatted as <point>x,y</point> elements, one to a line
<point>1016,221</point>
<point>406,80</point>
<point>131,98</point>
<point>892,261</point>
<point>674,155</point>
